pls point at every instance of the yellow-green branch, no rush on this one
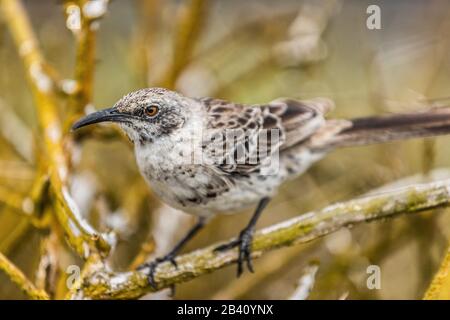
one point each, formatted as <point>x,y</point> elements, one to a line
<point>440,286</point>
<point>13,200</point>
<point>76,229</point>
<point>87,14</point>
<point>99,282</point>
<point>190,22</point>
<point>21,280</point>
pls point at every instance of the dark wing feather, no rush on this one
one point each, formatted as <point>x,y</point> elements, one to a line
<point>300,119</point>
<point>242,131</point>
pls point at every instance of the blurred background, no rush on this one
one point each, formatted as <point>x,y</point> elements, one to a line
<point>246,51</point>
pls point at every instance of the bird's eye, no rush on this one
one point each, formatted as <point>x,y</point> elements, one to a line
<point>151,111</point>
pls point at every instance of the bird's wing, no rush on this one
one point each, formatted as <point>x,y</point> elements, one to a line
<point>248,135</point>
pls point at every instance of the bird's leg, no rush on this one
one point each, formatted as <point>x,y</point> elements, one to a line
<point>244,241</point>
<point>152,265</point>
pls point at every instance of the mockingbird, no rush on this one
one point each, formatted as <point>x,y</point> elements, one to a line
<point>207,156</point>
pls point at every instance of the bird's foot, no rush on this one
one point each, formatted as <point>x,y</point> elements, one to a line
<point>243,242</point>
<point>153,265</point>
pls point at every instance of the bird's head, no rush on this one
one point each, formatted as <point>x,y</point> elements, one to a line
<point>144,114</point>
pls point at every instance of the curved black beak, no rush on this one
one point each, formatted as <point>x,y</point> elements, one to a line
<point>110,114</point>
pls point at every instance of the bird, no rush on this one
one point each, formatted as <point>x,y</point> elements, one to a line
<point>207,156</point>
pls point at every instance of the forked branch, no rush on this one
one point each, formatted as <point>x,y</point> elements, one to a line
<point>79,233</point>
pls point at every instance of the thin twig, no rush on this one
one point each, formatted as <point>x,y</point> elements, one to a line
<point>438,57</point>
<point>190,22</point>
<point>14,236</point>
<point>15,170</point>
<point>144,42</point>
<point>30,205</point>
<point>14,130</point>
<point>48,268</point>
<point>13,200</point>
<point>83,19</point>
<point>21,280</point>
<point>306,282</point>
<point>102,283</point>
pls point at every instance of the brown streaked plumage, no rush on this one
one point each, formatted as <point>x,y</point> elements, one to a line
<point>165,127</point>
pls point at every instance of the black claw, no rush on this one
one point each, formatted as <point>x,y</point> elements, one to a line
<point>245,251</point>
<point>245,240</point>
<point>250,264</point>
<point>239,268</point>
<point>244,243</point>
<point>152,266</point>
<point>174,263</point>
<point>172,291</point>
<point>170,258</point>
<point>151,273</point>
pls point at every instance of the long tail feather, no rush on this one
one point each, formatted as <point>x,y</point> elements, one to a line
<point>371,130</point>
